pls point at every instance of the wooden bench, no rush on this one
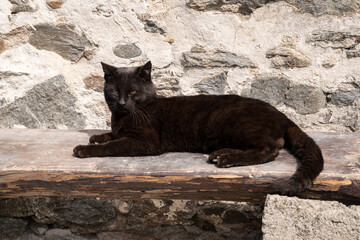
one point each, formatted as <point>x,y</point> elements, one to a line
<point>36,162</point>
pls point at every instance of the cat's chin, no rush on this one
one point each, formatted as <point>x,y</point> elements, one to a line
<point>121,112</point>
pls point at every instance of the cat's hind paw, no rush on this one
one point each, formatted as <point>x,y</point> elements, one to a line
<point>215,156</point>
<point>224,158</point>
<point>100,138</point>
<point>96,139</point>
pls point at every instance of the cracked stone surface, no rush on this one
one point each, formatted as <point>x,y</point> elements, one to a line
<point>293,218</point>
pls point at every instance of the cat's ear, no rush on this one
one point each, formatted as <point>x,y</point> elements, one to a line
<point>108,69</point>
<point>145,71</point>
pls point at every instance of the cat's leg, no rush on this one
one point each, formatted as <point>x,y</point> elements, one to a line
<point>226,157</point>
<point>106,137</point>
<point>263,153</point>
<point>125,146</point>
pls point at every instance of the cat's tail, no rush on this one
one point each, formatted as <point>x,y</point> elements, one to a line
<point>309,155</point>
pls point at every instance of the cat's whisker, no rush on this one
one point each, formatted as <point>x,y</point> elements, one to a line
<point>143,115</point>
<point>144,112</point>
<point>135,117</point>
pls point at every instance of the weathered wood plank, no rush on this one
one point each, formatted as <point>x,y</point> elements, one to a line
<point>36,162</point>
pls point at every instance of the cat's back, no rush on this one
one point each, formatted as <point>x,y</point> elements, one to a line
<point>209,102</point>
<point>219,109</point>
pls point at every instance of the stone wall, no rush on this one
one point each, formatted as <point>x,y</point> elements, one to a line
<point>301,56</point>
<point>115,219</point>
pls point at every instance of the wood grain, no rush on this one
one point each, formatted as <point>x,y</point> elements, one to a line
<point>35,162</point>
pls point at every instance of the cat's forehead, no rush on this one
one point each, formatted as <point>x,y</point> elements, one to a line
<point>125,75</point>
<point>126,70</point>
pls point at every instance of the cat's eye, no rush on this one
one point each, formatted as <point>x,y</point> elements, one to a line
<point>115,92</point>
<point>132,93</point>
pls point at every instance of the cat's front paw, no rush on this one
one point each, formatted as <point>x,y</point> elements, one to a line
<point>81,151</point>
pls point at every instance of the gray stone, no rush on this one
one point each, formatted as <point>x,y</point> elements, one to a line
<point>85,211</point>
<point>352,53</point>
<point>63,234</point>
<point>30,236</point>
<point>8,74</point>
<point>305,99</point>
<point>167,212</point>
<point>293,218</point>
<point>246,7</point>
<point>270,88</point>
<point>222,218</point>
<point>199,57</point>
<point>351,120</point>
<point>49,104</point>
<point>127,51</point>
<point>23,6</point>
<point>326,7</point>
<point>344,97</point>
<point>235,216</point>
<point>10,228</point>
<point>38,228</point>
<point>123,236</point>
<point>104,10</point>
<point>288,58</point>
<point>167,83</point>
<point>18,207</point>
<point>62,39</point>
<point>153,27</point>
<point>343,39</point>
<point>214,84</point>
<point>80,211</point>
<point>2,101</point>
<point>185,232</point>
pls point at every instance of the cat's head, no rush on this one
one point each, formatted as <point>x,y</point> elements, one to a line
<point>127,86</point>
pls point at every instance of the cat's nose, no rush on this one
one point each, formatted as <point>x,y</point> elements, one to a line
<point>122,101</point>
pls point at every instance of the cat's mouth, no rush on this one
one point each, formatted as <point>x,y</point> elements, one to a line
<point>123,110</point>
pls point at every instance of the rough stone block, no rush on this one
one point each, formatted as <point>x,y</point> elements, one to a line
<point>49,104</point>
<point>11,228</point>
<point>23,6</point>
<point>293,218</point>
<point>214,84</point>
<point>335,39</point>
<point>167,83</point>
<point>199,57</point>
<point>64,234</point>
<point>62,39</point>
<point>288,58</point>
<point>247,7</point>
<point>127,51</point>
<point>305,99</point>
<point>270,88</point>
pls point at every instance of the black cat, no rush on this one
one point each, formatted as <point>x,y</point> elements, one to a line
<point>234,130</point>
